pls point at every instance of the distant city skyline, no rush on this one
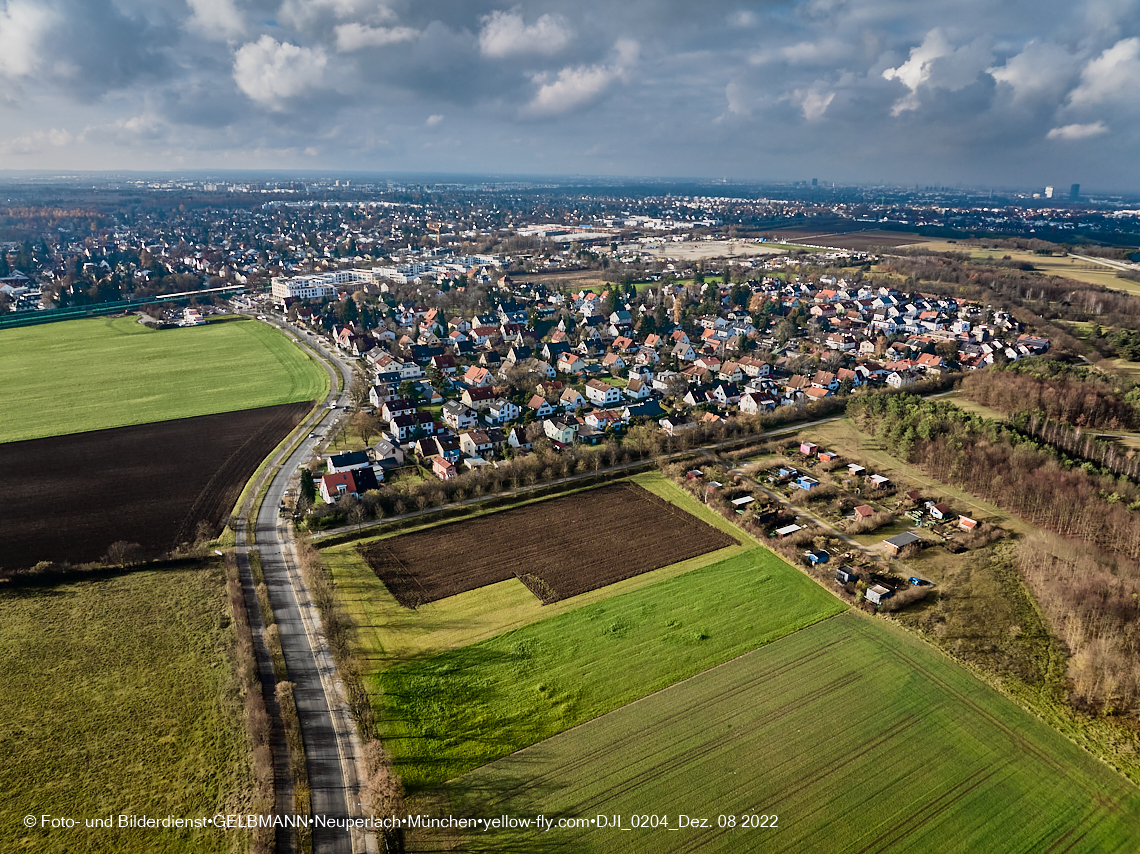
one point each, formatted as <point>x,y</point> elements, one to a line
<point>949,92</point>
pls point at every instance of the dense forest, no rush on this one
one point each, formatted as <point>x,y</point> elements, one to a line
<point>1091,595</point>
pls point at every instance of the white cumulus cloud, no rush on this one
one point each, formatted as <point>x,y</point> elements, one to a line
<point>1042,71</point>
<point>813,102</point>
<point>574,87</point>
<point>434,120</point>
<point>937,64</point>
<point>216,19</point>
<point>506,34</point>
<point>1112,75</point>
<point>271,72</point>
<point>23,28</point>
<point>302,13</point>
<point>350,37</point>
<point>1077,131</point>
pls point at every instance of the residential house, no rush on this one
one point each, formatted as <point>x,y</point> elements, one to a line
<point>571,399</point>
<point>458,416</point>
<point>477,443</point>
<point>477,377</point>
<point>635,389</point>
<point>445,364</point>
<point>395,407</point>
<point>354,482</point>
<point>539,405</point>
<point>387,455</point>
<point>348,461</point>
<point>561,430</point>
<point>379,394</point>
<point>601,393</point>
<point>676,424</point>
<point>478,398</point>
<point>613,362</point>
<point>404,427</point>
<point>570,363</point>
<point>442,468</point>
<point>684,352</point>
<point>500,411</point>
<point>517,439</point>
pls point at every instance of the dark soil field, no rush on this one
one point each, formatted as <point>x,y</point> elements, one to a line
<point>558,548</point>
<point>68,498</point>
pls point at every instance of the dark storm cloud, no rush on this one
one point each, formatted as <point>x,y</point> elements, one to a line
<point>963,88</point>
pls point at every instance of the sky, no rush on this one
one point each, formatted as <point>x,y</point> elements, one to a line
<point>1017,93</point>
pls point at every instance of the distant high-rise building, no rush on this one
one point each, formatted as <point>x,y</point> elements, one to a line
<point>1074,192</point>
<point>815,182</point>
<point>1048,192</point>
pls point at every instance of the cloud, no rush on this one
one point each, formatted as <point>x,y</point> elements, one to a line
<point>1113,75</point>
<point>302,13</point>
<point>1042,71</point>
<point>813,102</point>
<point>1069,132</point>
<point>271,72</point>
<point>37,141</point>
<point>827,51</point>
<point>938,65</point>
<point>217,19</point>
<point>577,86</point>
<point>434,120</point>
<point>505,34</point>
<point>23,28</point>
<point>350,37</point>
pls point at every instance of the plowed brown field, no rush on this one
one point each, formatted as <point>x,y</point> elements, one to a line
<point>558,548</point>
<point>70,497</point>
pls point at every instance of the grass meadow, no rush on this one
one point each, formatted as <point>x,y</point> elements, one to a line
<point>855,735</point>
<point>118,695</point>
<point>97,373</point>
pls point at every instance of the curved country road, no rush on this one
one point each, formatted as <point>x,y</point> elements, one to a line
<point>332,746</point>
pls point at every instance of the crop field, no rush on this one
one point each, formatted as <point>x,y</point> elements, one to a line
<point>387,633</point>
<point>80,375</point>
<point>558,548</point>
<point>68,498</point>
<point>118,695</point>
<point>856,736</point>
<point>447,714</point>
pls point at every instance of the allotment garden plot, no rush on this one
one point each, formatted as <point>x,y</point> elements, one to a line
<point>70,497</point>
<point>558,548</point>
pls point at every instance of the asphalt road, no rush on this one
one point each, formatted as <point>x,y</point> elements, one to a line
<point>332,747</point>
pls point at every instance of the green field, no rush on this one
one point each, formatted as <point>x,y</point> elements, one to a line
<point>857,736</point>
<point>83,375</point>
<point>456,711</point>
<point>118,696</point>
